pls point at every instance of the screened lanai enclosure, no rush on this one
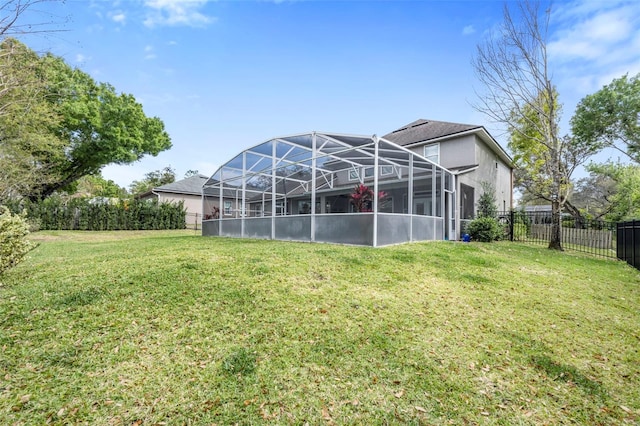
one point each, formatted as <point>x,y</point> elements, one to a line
<point>331,188</point>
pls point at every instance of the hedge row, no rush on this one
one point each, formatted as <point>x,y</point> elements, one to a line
<point>85,214</point>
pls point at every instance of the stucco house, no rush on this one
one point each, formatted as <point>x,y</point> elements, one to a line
<point>469,152</point>
<point>426,175</point>
<point>188,190</point>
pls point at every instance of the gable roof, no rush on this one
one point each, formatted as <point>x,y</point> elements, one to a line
<point>190,185</point>
<point>425,131</point>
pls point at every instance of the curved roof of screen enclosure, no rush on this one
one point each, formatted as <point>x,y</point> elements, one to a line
<point>311,164</point>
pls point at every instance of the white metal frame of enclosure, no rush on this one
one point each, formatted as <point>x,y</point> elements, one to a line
<point>321,153</point>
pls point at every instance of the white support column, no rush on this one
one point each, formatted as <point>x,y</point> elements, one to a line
<point>410,198</point>
<point>376,144</point>
<point>443,205</point>
<point>221,204</point>
<point>243,211</point>
<point>456,209</point>
<point>273,190</point>
<point>434,201</point>
<point>313,186</point>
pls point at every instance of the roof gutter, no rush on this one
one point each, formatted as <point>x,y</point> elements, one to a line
<point>462,172</point>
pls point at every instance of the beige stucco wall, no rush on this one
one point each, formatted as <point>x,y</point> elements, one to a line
<point>469,150</point>
<point>454,153</point>
<point>192,204</point>
<point>490,169</point>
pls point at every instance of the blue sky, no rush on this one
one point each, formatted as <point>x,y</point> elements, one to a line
<point>226,75</point>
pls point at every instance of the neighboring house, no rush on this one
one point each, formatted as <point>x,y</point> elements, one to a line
<point>301,187</point>
<point>188,190</point>
<point>469,152</point>
<point>541,213</point>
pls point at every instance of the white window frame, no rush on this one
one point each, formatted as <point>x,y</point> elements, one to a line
<point>353,174</point>
<point>227,207</point>
<point>368,173</point>
<point>386,170</point>
<point>430,156</point>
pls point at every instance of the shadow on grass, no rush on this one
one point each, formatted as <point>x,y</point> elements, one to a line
<point>79,298</point>
<point>569,374</point>
<point>539,355</point>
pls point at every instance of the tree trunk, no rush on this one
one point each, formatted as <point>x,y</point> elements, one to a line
<point>555,242</point>
<point>577,216</point>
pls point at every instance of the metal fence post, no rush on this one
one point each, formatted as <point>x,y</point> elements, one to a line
<point>511,226</point>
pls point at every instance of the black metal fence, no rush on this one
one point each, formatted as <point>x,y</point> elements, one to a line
<point>194,221</point>
<point>628,242</point>
<point>590,236</point>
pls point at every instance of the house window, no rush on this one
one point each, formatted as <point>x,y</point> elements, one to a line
<point>368,172</point>
<point>227,207</point>
<point>304,207</point>
<point>386,170</point>
<point>432,152</point>
<point>354,174</point>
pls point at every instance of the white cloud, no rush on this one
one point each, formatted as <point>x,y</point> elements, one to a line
<point>468,30</point>
<point>149,53</point>
<point>80,57</point>
<point>118,17</point>
<point>594,36</point>
<point>176,13</point>
<point>593,42</point>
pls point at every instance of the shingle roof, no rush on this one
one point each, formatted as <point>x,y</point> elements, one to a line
<point>424,130</point>
<point>190,185</point>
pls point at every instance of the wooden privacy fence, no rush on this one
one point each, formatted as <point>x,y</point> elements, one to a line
<point>596,238</point>
<point>580,234</point>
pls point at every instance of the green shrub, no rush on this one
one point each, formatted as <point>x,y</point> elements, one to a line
<point>14,245</point>
<point>485,229</point>
<point>56,213</point>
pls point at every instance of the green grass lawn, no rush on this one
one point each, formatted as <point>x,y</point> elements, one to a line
<point>172,328</point>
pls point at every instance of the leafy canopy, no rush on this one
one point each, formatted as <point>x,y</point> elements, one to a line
<point>610,117</point>
<point>92,124</point>
<point>152,180</point>
<point>624,199</point>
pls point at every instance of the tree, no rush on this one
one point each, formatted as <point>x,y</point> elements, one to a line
<point>513,68</point>
<point>91,124</point>
<point>12,10</point>
<point>538,173</point>
<point>29,145</point>
<point>592,194</point>
<point>486,227</point>
<point>487,201</point>
<point>191,173</point>
<point>622,190</point>
<point>97,186</point>
<point>609,117</point>
<point>152,180</point>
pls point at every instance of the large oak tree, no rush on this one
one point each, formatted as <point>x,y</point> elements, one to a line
<point>86,123</point>
<point>610,117</point>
